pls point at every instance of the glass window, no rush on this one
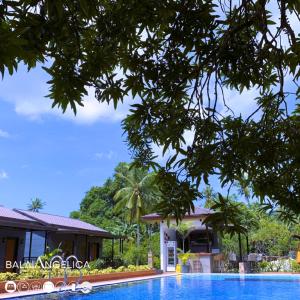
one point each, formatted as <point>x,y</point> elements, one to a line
<point>27,244</point>
<point>38,243</point>
<point>171,256</point>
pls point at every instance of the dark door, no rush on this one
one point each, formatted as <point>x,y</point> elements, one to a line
<point>11,252</point>
<point>94,251</point>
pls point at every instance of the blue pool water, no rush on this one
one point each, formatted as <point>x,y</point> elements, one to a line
<point>194,286</point>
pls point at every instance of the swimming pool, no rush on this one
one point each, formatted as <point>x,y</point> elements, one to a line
<point>196,286</point>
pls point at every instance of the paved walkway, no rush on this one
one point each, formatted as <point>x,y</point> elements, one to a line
<point>94,284</point>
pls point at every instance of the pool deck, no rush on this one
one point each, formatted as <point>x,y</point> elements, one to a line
<point>95,284</point>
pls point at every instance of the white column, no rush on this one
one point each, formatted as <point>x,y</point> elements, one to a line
<point>163,258</point>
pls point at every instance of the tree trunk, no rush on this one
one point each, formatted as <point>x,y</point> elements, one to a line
<point>138,242</point>
<point>183,245</point>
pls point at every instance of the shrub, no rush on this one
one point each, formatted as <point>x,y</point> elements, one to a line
<point>28,271</point>
<point>295,266</point>
<point>184,257</point>
<point>156,262</point>
<point>280,265</point>
<point>48,255</point>
<point>8,276</point>
<point>263,266</point>
<point>121,269</point>
<point>135,255</point>
<point>97,264</point>
<point>118,262</point>
<point>34,272</point>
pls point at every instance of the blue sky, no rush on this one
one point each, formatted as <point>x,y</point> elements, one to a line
<point>57,157</point>
<point>45,154</point>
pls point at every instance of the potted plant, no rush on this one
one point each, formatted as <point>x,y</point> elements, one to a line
<point>184,258</point>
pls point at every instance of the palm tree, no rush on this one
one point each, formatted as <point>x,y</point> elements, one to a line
<point>183,230</point>
<point>209,196</point>
<point>124,230</point>
<point>138,195</point>
<point>36,205</point>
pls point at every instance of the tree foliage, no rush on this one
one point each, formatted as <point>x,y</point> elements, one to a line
<point>183,229</point>
<point>97,207</point>
<point>267,233</point>
<point>100,207</point>
<point>209,196</point>
<point>36,204</point>
<point>139,195</point>
<point>176,60</point>
<point>228,216</point>
<point>272,237</point>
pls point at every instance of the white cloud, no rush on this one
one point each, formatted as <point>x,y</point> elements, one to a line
<point>158,151</point>
<point>91,112</point>
<point>241,103</point>
<point>27,91</point>
<point>4,134</point>
<point>33,108</point>
<point>3,175</point>
<point>188,136</point>
<point>94,111</point>
<point>105,155</point>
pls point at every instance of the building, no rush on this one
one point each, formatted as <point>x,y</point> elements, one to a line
<point>25,235</point>
<point>200,239</point>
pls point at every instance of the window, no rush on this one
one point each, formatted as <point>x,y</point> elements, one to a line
<point>37,239</point>
<point>27,244</point>
<point>38,243</point>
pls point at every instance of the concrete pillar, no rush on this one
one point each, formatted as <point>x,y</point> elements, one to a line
<point>163,263</point>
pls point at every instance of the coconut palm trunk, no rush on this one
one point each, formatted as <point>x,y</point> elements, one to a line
<point>138,243</point>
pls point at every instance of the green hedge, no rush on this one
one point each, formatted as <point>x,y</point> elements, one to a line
<point>36,272</point>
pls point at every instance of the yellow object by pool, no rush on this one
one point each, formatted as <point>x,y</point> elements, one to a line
<point>298,257</point>
<point>178,268</point>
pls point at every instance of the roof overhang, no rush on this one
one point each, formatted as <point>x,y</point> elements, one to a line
<point>20,219</point>
<point>158,218</point>
<point>66,230</point>
<point>10,222</point>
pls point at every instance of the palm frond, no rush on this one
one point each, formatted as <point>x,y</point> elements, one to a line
<point>126,178</point>
<point>120,205</point>
<point>147,181</point>
<point>130,202</point>
<point>123,193</point>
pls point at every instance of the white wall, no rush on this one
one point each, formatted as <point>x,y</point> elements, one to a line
<point>164,228</point>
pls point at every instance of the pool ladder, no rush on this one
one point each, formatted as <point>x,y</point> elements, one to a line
<point>64,263</point>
